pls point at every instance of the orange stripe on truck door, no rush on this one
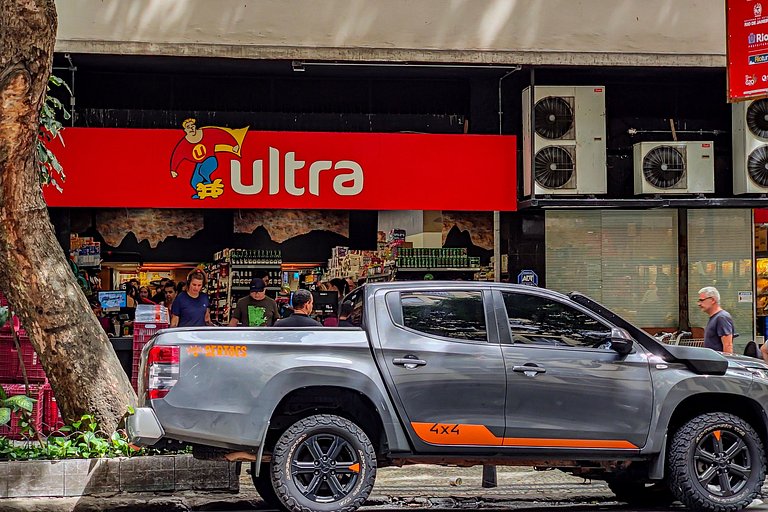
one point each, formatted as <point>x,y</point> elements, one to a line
<point>479,435</point>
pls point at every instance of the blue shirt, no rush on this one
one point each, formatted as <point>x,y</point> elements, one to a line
<point>191,312</point>
<point>720,324</point>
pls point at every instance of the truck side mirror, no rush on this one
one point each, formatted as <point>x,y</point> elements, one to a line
<point>621,341</point>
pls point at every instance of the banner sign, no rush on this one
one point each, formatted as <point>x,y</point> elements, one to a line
<point>216,167</point>
<point>747,48</point>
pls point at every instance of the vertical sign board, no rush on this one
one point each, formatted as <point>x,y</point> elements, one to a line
<point>747,48</point>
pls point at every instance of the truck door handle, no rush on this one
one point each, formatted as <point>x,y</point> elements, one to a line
<point>409,362</point>
<point>529,371</point>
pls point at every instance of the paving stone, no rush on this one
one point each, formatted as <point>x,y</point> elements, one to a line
<point>4,468</point>
<point>139,474</point>
<point>191,473</point>
<point>91,476</point>
<point>35,478</point>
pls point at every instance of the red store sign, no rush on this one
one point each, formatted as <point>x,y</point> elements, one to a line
<point>747,47</point>
<point>216,167</point>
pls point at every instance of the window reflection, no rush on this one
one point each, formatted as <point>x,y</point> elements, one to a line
<point>540,321</point>
<point>454,314</point>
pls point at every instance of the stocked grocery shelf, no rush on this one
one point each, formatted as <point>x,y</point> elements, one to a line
<point>437,269</point>
<point>248,288</point>
<point>255,265</point>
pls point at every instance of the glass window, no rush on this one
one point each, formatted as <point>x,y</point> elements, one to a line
<point>541,321</point>
<point>450,314</point>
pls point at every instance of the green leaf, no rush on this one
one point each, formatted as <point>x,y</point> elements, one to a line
<point>21,402</point>
<point>5,415</point>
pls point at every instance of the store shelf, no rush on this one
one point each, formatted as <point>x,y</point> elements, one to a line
<point>248,288</point>
<point>385,275</point>
<point>256,265</point>
<point>436,269</point>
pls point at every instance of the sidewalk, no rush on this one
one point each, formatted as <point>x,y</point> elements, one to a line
<point>410,486</point>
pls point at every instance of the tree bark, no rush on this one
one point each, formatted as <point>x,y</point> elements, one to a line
<point>78,358</point>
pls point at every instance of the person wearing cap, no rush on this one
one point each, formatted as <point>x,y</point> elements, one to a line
<point>302,308</point>
<point>255,309</point>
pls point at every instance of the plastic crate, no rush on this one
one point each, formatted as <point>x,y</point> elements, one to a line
<point>52,420</point>
<point>12,430</point>
<point>142,333</point>
<point>32,363</point>
<point>9,359</point>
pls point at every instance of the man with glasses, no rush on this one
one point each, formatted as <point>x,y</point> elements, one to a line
<point>718,334</point>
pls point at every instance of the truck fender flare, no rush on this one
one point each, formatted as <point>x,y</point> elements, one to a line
<point>365,381</point>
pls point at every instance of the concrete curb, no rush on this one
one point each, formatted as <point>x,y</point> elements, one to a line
<point>85,477</point>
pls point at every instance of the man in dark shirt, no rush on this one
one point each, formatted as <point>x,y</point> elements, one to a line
<point>718,334</point>
<point>302,307</point>
<point>255,309</point>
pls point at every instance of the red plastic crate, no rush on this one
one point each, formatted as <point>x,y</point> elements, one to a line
<point>9,359</point>
<point>32,364</point>
<point>12,430</point>
<point>142,333</point>
<point>52,420</point>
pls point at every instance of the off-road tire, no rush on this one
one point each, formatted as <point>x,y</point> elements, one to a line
<point>303,446</point>
<point>732,441</point>
<point>263,485</point>
<point>639,493</point>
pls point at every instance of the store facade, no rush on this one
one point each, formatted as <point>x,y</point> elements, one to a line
<point>640,251</point>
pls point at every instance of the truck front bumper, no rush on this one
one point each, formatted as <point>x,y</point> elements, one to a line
<point>143,427</point>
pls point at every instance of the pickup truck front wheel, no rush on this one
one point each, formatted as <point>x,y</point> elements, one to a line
<point>323,463</point>
<point>716,463</point>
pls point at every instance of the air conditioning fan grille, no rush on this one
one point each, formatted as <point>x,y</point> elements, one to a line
<point>553,167</point>
<point>757,166</point>
<point>553,117</point>
<point>664,167</point>
<point>757,118</point>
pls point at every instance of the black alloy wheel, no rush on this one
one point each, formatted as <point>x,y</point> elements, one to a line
<point>716,463</point>
<point>325,468</point>
<point>323,463</point>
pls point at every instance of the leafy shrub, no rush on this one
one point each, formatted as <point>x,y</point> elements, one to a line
<point>81,440</point>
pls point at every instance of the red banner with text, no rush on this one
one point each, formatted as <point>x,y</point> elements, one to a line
<point>216,167</point>
<point>747,47</point>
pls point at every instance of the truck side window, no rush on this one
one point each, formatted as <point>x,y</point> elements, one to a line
<point>541,321</point>
<point>450,314</point>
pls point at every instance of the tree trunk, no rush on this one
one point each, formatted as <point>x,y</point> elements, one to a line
<point>34,274</point>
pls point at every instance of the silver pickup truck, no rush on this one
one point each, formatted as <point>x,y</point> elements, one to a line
<point>460,373</point>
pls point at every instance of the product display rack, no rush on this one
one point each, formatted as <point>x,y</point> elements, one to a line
<point>230,277</point>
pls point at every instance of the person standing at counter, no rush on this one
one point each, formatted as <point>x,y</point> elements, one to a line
<point>170,294</point>
<point>191,308</point>
<point>302,308</point>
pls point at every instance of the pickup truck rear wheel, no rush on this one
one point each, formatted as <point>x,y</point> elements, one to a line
<point>716,463</point>
<point>323,463</point>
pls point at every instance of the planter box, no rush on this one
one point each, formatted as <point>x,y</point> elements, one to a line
<point>83,477</point>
